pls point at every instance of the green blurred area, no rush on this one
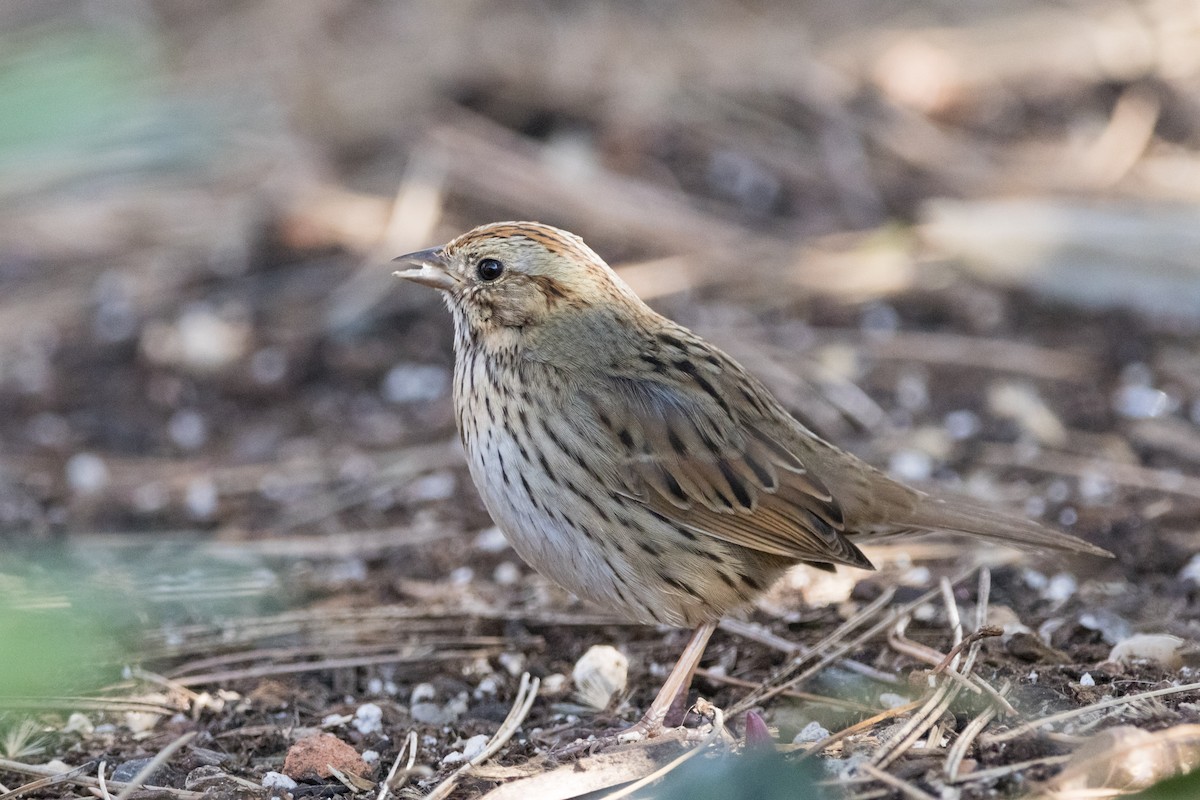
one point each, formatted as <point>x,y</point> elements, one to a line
<point>71,621</point>
<point>58,636</point>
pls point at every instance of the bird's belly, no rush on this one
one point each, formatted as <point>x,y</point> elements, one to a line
<point>553,532</point>
<point>607,549</point>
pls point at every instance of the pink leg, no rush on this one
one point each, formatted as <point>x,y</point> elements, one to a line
<point>651,723</point>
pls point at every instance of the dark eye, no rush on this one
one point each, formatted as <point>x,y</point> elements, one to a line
<point>489,269</point>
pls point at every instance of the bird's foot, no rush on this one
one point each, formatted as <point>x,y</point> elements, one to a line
<point>649,727</point>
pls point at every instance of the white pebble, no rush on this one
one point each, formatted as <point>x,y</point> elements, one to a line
<point>506,573</point>
<point>79,723</point>
<point>87,473</point>
<point>912,391</point>
<point>892,700</point>
<point>1035,506</point>
<point>553,684</point>
<point>432,487</point>
<point>513,663</point>
<point>1094,486</point>
<point>1060,588</point>
<point>812,732</point>
<point>1141,402</point>
<point>375,686</point>
<point>422,692</point>
<point>415,383</point>
<point>599,674</point>
<point>962,424</point>
<point>187,429</point>
<point>370,756</point>
<point>474,746</point>
<point>491,540</point>
<point>1086,679</point>
<point>1191,571</point>
<point>1160,648</point>
<point>488,686</point>
<point>208,341</point>
<point>1033,677</point>
<point>201,498</point>
<point>277,780</point>
<point>453,757</point>
<point>368,718</point>
<point>910,465</point>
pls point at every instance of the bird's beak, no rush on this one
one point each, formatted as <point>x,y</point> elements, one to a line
<point>429,268</point>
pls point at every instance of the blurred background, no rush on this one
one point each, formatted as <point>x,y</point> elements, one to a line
<point>959,238</point>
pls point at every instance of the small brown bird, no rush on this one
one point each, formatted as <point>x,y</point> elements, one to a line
<point>638,466</point>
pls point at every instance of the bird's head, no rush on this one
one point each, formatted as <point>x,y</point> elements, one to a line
<point>510,276</point>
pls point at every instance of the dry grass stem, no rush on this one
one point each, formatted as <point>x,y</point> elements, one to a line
<point>103,787</point>
<point>526,694</point>
<point>904,787</point>
<point>421,655</point>
<point>391,783</point>
<point>962,745</point>
<point>996,355</point>
<point>1110,702</point>
<point>1128,475</point>
<point>159,759</point>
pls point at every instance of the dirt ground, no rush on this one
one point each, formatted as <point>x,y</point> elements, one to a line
<point>234,513</point>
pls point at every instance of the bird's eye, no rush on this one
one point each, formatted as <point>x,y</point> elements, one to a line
<point>489,269</point>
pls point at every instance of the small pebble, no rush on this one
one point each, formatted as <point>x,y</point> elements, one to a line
<point>1086,679</point>
<point>201,498</point>
<point>187,429</point>
<point>128,770</point>
<point>1191,570</point>
<point>277,780</point>
<point>432,487</point>
<point>491,540</point>
<point>311,757</point>
<point>474,746</point>
<point>506,573</point>
<point>1141,402</point>
<point>368,718</point>
<point>892,700</point>
<point>599,674</point>
<point>87,473</point>
<point>1159,648</point>
<point>910,465</point>
<point>1060,588</point>
<point>962,424</point>
<point>513,663</point>
<point>415,383</point>
<point>812,732</point>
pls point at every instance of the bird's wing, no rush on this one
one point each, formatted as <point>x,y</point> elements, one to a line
<point>689,456</point>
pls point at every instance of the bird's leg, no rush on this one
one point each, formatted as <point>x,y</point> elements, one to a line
<point>651,723</point>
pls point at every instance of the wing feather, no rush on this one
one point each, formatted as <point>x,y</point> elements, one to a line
<point>688,459</point>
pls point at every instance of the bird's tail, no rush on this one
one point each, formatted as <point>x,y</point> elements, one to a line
<point>962,515</point>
